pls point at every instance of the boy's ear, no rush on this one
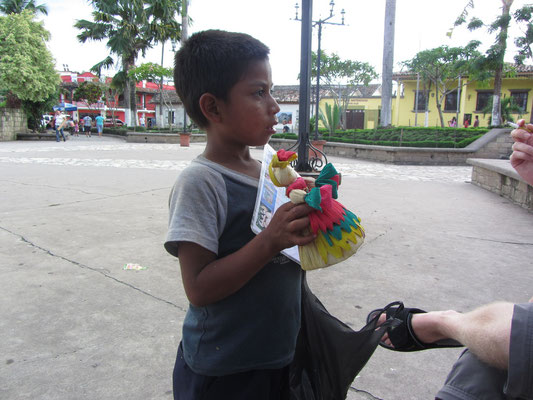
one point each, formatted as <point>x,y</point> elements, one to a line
<point>209,105</point>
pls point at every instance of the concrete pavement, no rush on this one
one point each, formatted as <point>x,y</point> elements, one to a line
<point>75,325</point>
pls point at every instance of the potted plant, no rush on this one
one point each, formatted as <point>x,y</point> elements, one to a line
<point>185,139</point>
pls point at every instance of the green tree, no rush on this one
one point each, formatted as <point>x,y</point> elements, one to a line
<point>130,27</point>
<point>496,53</point>
<point>26,66</point>
<point>35,109</point>
<point>154,72</point>
<point>523,18</point>
<point>89,93</point>
<point>442,67</point>
<point>17,6</point>
<point>341,77</point>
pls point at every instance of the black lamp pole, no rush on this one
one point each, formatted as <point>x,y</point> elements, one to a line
<point>318,61</point>
<point>304,145</point>
<point>305,85</point>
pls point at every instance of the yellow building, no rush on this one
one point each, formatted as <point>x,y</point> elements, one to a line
<point>473,97</point>
<point>363,107</point>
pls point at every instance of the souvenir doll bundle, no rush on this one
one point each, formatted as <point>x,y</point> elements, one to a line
<point>339,231</point>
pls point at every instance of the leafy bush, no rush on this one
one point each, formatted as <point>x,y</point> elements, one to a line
<point>411,136</point>
<point>121,131</point>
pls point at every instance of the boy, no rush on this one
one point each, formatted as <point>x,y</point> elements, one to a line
<point>239,334</point>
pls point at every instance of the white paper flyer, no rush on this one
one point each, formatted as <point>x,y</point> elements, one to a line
<point>269,199</point>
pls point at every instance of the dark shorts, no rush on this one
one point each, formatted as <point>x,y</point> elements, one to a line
<point>471,379</point>
<point>265,384</point>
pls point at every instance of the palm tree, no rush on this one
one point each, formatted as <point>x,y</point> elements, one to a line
<point>508,108</point>
<point>130,27</point>
<point>497,53</point>
<point>17,6</point>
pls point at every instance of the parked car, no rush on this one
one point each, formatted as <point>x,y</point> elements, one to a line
<point>45,121</point>
<point>109,122</point>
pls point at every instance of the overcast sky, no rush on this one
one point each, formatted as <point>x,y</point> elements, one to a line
<point>420,25</point>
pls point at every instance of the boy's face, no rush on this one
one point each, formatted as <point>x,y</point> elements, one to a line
<point>249,114</point>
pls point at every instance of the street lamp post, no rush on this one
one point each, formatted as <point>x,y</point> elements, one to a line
<point>319,56</point>
<point>304,164</point>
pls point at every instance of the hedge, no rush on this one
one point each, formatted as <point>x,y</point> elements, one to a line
<point>411,136</point>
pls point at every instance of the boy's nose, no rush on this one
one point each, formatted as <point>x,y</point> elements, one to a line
<point>275,106</point>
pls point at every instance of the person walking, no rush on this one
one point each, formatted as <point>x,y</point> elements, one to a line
<point>99,124</point>
<point>59,124</point>
<point>87,124</point>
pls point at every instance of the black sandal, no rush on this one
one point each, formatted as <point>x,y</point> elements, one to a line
<point>402,336</point>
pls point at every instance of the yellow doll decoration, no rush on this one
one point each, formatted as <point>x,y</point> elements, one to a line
<point>339,231</point>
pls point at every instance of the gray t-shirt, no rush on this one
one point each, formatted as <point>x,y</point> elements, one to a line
<point>256,327</point>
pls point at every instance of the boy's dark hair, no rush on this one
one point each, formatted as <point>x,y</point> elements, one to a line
<point>213,61</point>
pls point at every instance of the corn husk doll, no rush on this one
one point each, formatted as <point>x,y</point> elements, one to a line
<point>339,231</point>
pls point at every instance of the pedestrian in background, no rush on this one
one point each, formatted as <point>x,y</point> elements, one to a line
<point>99,124</point>
<point>59,120</point>
<point>87,123</point>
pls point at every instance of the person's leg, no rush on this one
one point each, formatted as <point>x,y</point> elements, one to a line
<point>57,134</point>
<point>472,379</point>
<point>486,331</point>
<point>63,135</point>
<point>256,384</point>
<point>520,374</point>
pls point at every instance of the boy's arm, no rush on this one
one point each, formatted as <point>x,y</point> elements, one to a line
<point>208,280</point>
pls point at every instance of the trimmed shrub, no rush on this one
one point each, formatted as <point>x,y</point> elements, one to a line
<point>411,136</point>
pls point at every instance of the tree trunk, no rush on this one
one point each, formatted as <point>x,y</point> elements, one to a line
<point>388,59</point>
<point>502,44</point>
<point>129,94</point>
<point>438,102</point>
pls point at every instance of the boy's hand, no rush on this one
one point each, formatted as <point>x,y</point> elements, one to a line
<point>288,227</point>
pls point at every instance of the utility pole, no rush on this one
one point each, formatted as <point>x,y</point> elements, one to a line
<point>388,59</point>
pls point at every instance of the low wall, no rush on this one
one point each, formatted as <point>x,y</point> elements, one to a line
<point>499,177</point>
<point>494,144</point>
<point>12,122</point>
<point>149,137</point>
<point>38,135</point>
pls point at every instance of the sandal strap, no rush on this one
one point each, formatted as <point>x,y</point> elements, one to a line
<point>402,337</point>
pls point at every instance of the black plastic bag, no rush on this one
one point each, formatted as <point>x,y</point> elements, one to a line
<point>329,354</point>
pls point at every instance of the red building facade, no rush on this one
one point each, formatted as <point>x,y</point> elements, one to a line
<point>113,105</point>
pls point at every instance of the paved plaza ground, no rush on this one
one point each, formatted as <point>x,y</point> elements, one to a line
<point>74,324</point>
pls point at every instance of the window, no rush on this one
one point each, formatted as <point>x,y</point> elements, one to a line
<point>520,98</point>
<point>422,100</point>
<point>450,101</point>
<point>483,99</point>
<point>171,117</point>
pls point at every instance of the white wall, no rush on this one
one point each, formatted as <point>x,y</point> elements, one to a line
<point>178,115</point>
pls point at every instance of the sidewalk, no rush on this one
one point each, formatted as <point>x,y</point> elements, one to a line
<point>75,325</point>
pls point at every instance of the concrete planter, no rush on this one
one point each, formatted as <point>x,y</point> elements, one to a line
<point>319,145</point>
<point>185,139</point>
